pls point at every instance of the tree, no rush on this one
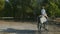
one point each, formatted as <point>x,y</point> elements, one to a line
<point>52,8</point>
<point>2,3</point>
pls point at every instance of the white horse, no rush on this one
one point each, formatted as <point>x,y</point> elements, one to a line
<point>42,21</point>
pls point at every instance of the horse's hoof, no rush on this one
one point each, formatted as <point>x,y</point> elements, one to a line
<point>46,29</point>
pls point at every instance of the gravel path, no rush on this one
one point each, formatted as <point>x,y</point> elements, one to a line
<point>18,25</point>
<point>26,28</point>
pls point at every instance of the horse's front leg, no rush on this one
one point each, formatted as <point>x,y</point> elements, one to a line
<point>44,26</point>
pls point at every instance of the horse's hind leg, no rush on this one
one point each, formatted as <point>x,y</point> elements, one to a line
<point>39,28</point>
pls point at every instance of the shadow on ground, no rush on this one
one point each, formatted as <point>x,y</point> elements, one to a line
<point>10,30</point>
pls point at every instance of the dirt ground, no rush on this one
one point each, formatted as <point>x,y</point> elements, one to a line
<point>18,25</point>
<point>26,28</point>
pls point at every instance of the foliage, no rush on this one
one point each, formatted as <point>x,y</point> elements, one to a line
<point>23,8</point>
<point>53,8</point>
<point>2,3</point>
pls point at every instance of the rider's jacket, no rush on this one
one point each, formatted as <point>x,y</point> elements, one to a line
<point>43,12</point>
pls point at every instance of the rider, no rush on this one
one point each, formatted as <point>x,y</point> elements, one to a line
<point>43,12</point>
